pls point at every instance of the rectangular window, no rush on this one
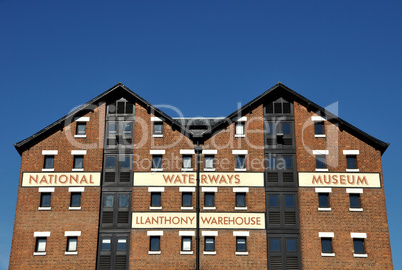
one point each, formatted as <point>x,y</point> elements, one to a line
<point>239,126</point>
<point>106,244</point>
<point>209,243</point>
<point>155,199</point>
<point>158,128</point>
<point>49,162</point>
<point>78,162</point>
<point>40,244</point>
<point>127,129</point>
<point>358,244</point>
<point>45,199</point>
<point>155,242</point>
<point>121,244</point>
<point>240,199</point>
<point>241,245</point>
<point>108,201</point>
<point>319,128</point>
<point>323,200</point>
<point>157,162</point>
<point>351,161</point>
<point>326,245</point>
<point>187,199</point>
<point>75,199</point>
<point>81,128</point>
<point>209,199</point>
<point>354,200</point>
<point>240,161</point>
<point>209,162</point>
<point>186,243</point>
<point>72,243</point>
<point>321,162</point>
<point>187,162</point>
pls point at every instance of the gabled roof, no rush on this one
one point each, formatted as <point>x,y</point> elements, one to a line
<point>186,125</point>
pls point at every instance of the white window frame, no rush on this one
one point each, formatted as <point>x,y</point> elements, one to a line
<point>154,233</point>
<point>209,152</point>
<point>240,153</point>
<point>46,190</point>
<point>241,121</point>
<point>323,190</point>
<point>78,153</point>
<point>355,191</point>
<point>77,190</point>
<point>327,235</point>
<point>156,189</point>
<point>156,119</point>
<point>188,234</point>
<point>319,119</point>
<point>321,152</point>
<point>41,234</point>
<point>72,234</point>
<point>359,236</point>
<point>187,189</point>
<point>210,233</point>
<point>351,153</point>
<point>50,153</point>
<point>188,153</point>
<point>157,152</point>
<point>209,189</point>
<point>242,234</point>
<point>240,190</point>
<point>81,119</point>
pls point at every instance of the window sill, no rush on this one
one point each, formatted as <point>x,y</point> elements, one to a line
<point>157,135</point>
<point>209,208</point>
<point>71,253</point>
<point>187,208</point>
<point>80,136</point>
<point>321,170</point>
<point>157,170</point>
<point>328,254</point>
<point>186,252</point>
<point>155,208</point>
<point>360,255</point>
<point>39,253</point>
<point>187,169</point>
<point>48,170</point>
<point>241,208</point>
<point>240,169</point>
<point>352,170</point>
<point>78,170</point>
<point>209,169</point>
<point>244,253</point>
<point>209,252</point>
<point>75,208</point>
<point>154,252</point>
<point>324,209</point>
<point>356,209</point>
<point>319,135</point>
<point>240,135</point>
<point>44,208</point>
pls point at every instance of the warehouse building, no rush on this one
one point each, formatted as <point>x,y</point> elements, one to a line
<point>281,183</point>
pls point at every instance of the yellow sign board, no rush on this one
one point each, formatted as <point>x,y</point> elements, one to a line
<point>351,180</point>
<point>63,179</point>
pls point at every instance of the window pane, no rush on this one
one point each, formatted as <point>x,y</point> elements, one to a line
<point>106,243</point>
<point>358,245</point>
<point>155,199</point>
<point>125,162</point>
<point>241,244</point>
<point>286,128</point>
<point>275,244</point>
<point>78,162</point>
<point>321,162</point>
<point>288,162</point>
<point>351,162</point>
<point>209,243</point>
<point>155,243</point>
<point>108,200</point>
<point>187,199</point>
<point>120,106</point>
<point>239,128</point>
<point>278,107</point>
<point>75,199</point>
<point>40,244</point>
<point>326,245</point>
<point>354,200</point>
<point>273,201</point>
<point>156,162</point>
<point>110,162</point>
<point>187,162</point>
<point>271,129</point>
<point>127,128</point>
<point>121,244</point>
<point>49,162</point>
<point>289,201</point>
<point>186,244</point>
<point>319,128</point>
<point>158,128</point>
<point>72,244</point>
<point>209,162</point>
<point>45,199</point>
<point>291,245</point>
<point>81,127</point>
<point>323,200</point>
<point>286,107</point>
<point>123,200</point>
<point>271,163</point>
<point>240,162</point>
<point>240,199</point>
<point>270,108</point>
<point>112,127</point>
<point>209,199</point>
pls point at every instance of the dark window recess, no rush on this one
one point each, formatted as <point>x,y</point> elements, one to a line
<point>358,244</point>
<point>78,162</point>
<point>157,162</point>
<point>354,200</point>
<point>118,170</point>
<point>40,245</point>
<point>326,245</point>
<point>209,243</point>
<point>187,199</point>
<point>75,199</point>
<point>319,128</point>
<point>323,200</point>
<point>115,211</point>
<point>113,252</point>
<point>49,162</point>
<point>156,199</point>
<point>125,177</point>
<point>241,244</point>
<point>321,162</point>
<point>45,199</point>
<point>120,107</point>
<point>283,252</point>
<point>280,170</point>
<point>154,243</point>
<point>158,128</point>
<point>351,161</point>
<point>240,161</point>
<point>81,128</point>
<point>288,177</point>
<point>279,134</point>
<point>240,199</point>
<point>273,177</point>
<point>209,199</point>
<point>282,210</point>
<point>280,106</point>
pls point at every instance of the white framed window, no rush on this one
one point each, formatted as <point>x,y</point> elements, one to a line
<point>157,158</point>
<point>81,127</point>
<point>359,245</point>
<point>45,198</point>
<point>240,159</point>
<point>241,242</point>
<point>40,243</point>
<point>154,242</point>
<point>323,199</point>
<point>48,164</point>
<point>239,129</point>
<point>355,199</point>
<point>326,244</point>
<point>321,160</point>
<point>157,127</point>
<point>240,197</point>
<point>351,160</point>
<point>209,242</point>
<point>209,159</point>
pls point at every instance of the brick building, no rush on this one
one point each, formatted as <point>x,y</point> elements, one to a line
<point>281,183</point>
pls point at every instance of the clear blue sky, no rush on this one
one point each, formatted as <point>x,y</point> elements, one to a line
<point>203,57</point>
